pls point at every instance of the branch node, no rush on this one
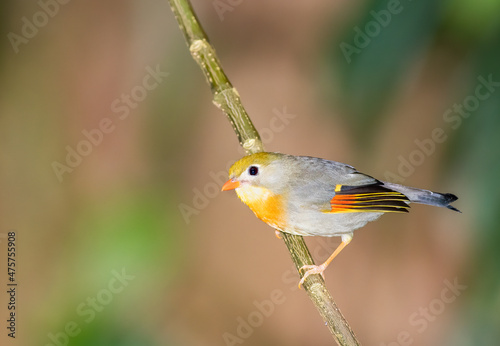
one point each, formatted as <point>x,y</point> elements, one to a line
<point>249,144</point>
<point>196,46</point>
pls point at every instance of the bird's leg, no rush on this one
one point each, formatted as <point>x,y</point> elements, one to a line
<point>277,233</point>
<point>314,269</point>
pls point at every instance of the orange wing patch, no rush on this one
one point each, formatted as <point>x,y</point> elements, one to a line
<point>367,198</point>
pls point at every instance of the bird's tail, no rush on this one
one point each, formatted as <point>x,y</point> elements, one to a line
<point>425,196</point>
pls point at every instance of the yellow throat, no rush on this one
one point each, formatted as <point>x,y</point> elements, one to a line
<point>267,206</point>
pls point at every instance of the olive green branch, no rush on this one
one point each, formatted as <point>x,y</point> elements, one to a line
<point>226,98</point>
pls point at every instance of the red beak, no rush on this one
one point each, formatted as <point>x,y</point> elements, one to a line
<point>230,185</point>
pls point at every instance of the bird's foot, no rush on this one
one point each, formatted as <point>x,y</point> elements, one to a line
<point>310,270</point>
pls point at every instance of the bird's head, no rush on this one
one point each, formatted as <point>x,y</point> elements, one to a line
<point>256,172</point>
<point>261,181</point>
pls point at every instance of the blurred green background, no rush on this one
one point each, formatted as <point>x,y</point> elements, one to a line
<point>129,242</point>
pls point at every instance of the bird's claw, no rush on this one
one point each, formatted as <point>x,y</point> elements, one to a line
<point>310,270</point>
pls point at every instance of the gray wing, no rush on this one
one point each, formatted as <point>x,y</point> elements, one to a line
<point>315,183</point>
<point>312,190</point>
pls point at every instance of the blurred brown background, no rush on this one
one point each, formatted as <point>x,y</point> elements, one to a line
<point>112,156</point>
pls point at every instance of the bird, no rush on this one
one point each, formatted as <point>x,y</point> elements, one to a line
<point>310,196</point>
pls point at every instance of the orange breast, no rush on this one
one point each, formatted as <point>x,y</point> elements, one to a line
<point>266,206</point>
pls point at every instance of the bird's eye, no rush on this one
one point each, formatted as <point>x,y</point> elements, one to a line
<point>253,170</point>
